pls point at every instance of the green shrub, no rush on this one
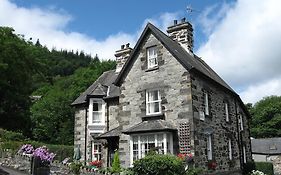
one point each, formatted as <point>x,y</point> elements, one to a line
<point>266,167</point>
<point>116,168</point>
<point>159,165</point>
<point>10,135</point>
<point>75,167</point>
<point>248,167</point>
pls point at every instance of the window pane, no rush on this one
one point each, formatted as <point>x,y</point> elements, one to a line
<point>156,107</point>
<point>95,107</point>
<point>97,117</point>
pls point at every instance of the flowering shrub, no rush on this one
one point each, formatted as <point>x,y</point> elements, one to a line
<point>257,172</point>
<point>26,149</point>
<point>44,154</point>
<point>96,163</point>
<point>212,165</point>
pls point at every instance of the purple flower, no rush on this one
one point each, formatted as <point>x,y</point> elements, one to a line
<point>44,154</point>
<point>27,149</point>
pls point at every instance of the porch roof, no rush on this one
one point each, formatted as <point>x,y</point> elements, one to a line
<point>111,133</point>
<point>151,126</point>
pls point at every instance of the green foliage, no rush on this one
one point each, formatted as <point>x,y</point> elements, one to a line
<point>266,117</point>
<point>116,168</point>
<point>52,115</point>
<point>10,135</point>
<point>75,167</point>
<point>266,167</point>
<point>61,151</point>
<point>249,167</point>
<point>16,69</point>
<point>194,171</point>
<point>159,165</point>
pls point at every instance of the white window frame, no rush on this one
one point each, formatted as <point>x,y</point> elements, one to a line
<point>209,147</point>
<point>148,103</point>
<point>201,115</point>
<point>226,112</point>
<point>244,154</point>
<point>206,103</point>
<point>97,151</point>
<point>151,57</point>
<point>101,111</point>
<point>230,149</point>
<point>241,122</point>
<point>167,137</point>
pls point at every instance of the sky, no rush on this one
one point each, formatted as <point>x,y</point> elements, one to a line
<point>239,39</point>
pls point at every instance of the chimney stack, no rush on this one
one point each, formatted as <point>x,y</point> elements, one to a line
<point>182,33</point>
<point>122,55</point>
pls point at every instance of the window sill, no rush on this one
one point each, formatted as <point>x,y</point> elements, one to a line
<point>152,69</point>
<point>153,116</point>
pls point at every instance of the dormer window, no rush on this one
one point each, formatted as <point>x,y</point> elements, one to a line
<point>153,102</point>
<point>152,57</point>
<point>97,112</point>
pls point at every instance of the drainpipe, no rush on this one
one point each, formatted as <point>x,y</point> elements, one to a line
<point>107,129</point>
<point>86,134</point>
<point>239,139</point>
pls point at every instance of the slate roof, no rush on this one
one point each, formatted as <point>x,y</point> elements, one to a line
<point>151,126</point>
<point>100,87</point>
<point>268,146</point>
<point>116,132</point>
<point>186,59</point>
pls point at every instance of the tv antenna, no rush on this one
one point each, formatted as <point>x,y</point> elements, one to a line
<point>190,9</point>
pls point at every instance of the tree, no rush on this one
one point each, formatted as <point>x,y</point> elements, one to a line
<point>15,81</point>
<point>266,117</point>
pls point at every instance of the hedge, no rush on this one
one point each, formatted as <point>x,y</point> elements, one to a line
<point>266,167</point>
<point>61,151</point>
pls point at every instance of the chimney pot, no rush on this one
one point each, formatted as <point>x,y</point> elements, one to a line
<point>127,45</point>
<point>182,20</point>
<point>122,46</point>
<point>175,22</point>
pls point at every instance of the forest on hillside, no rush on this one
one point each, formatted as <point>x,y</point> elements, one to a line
<point>29,70</point>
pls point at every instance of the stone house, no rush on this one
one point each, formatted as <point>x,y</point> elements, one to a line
<point>268,150</point>
<point>162,96</point>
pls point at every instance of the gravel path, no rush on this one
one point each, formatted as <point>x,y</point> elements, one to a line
<point>7,171</point>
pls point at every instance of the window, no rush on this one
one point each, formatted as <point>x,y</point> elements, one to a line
<point>97,112</point>
<point>96,150</point>
<point>201,115</point>
<point>244,154</point>
<point>209,147</point>
<point>153,102</point>
<point>141,144</point>
<point>226,112</point>
<point>229,149</point>
<point>152,57</point>
<point>241,122</point>
<point>206,103</point>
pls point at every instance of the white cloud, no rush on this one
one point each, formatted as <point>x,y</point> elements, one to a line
<point>244,47</point>
<point>49,25</point>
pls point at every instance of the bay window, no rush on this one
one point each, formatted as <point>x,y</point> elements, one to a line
<point>140,145</point>
<point>153,102</point>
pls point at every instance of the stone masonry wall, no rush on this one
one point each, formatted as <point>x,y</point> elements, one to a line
<point>79,130</point>
<point>216,125</point>
<point>170,78</point>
